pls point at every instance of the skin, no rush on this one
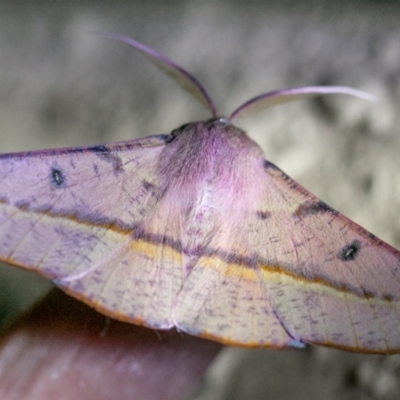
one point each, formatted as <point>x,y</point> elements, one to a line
<point>63,349</point>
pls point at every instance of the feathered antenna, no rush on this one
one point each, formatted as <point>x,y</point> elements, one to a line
<point>252,106</point>
<point>270,99</point>
<point>180,75</point>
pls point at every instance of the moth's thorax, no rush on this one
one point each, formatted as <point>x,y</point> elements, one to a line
<point>211,154</point>
<point>211,150</point>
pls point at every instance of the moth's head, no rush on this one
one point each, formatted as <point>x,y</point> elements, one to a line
<point>219,129</point>
<point>250,107</point>
<point>216,137</point>
<point>219,123</point>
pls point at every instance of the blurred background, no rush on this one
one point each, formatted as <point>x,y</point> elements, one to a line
<point>60,85</point>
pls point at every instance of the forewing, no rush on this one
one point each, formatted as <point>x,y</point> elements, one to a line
<point>76,216</point>
<point>329,281</point>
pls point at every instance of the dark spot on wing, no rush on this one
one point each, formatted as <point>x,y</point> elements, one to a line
<point>312,208</point>
<point>147,185</point>
<point>164,137</point>
<point>372,236</point>
<point>269,165</point>
<point>104,153</point>
<point>350,251</point>
<point>99,149</point>
<point>263,214</point>
<point>368,294</point>
<point>57,177</point>
<point>154,190</point>
<point>388,297</point>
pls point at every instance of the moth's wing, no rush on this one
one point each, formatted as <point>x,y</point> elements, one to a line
<point>329,281</point>
<point>76,216</point>
<point>292,271</point>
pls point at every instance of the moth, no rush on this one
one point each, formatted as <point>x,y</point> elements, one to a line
<point>197,230</point>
